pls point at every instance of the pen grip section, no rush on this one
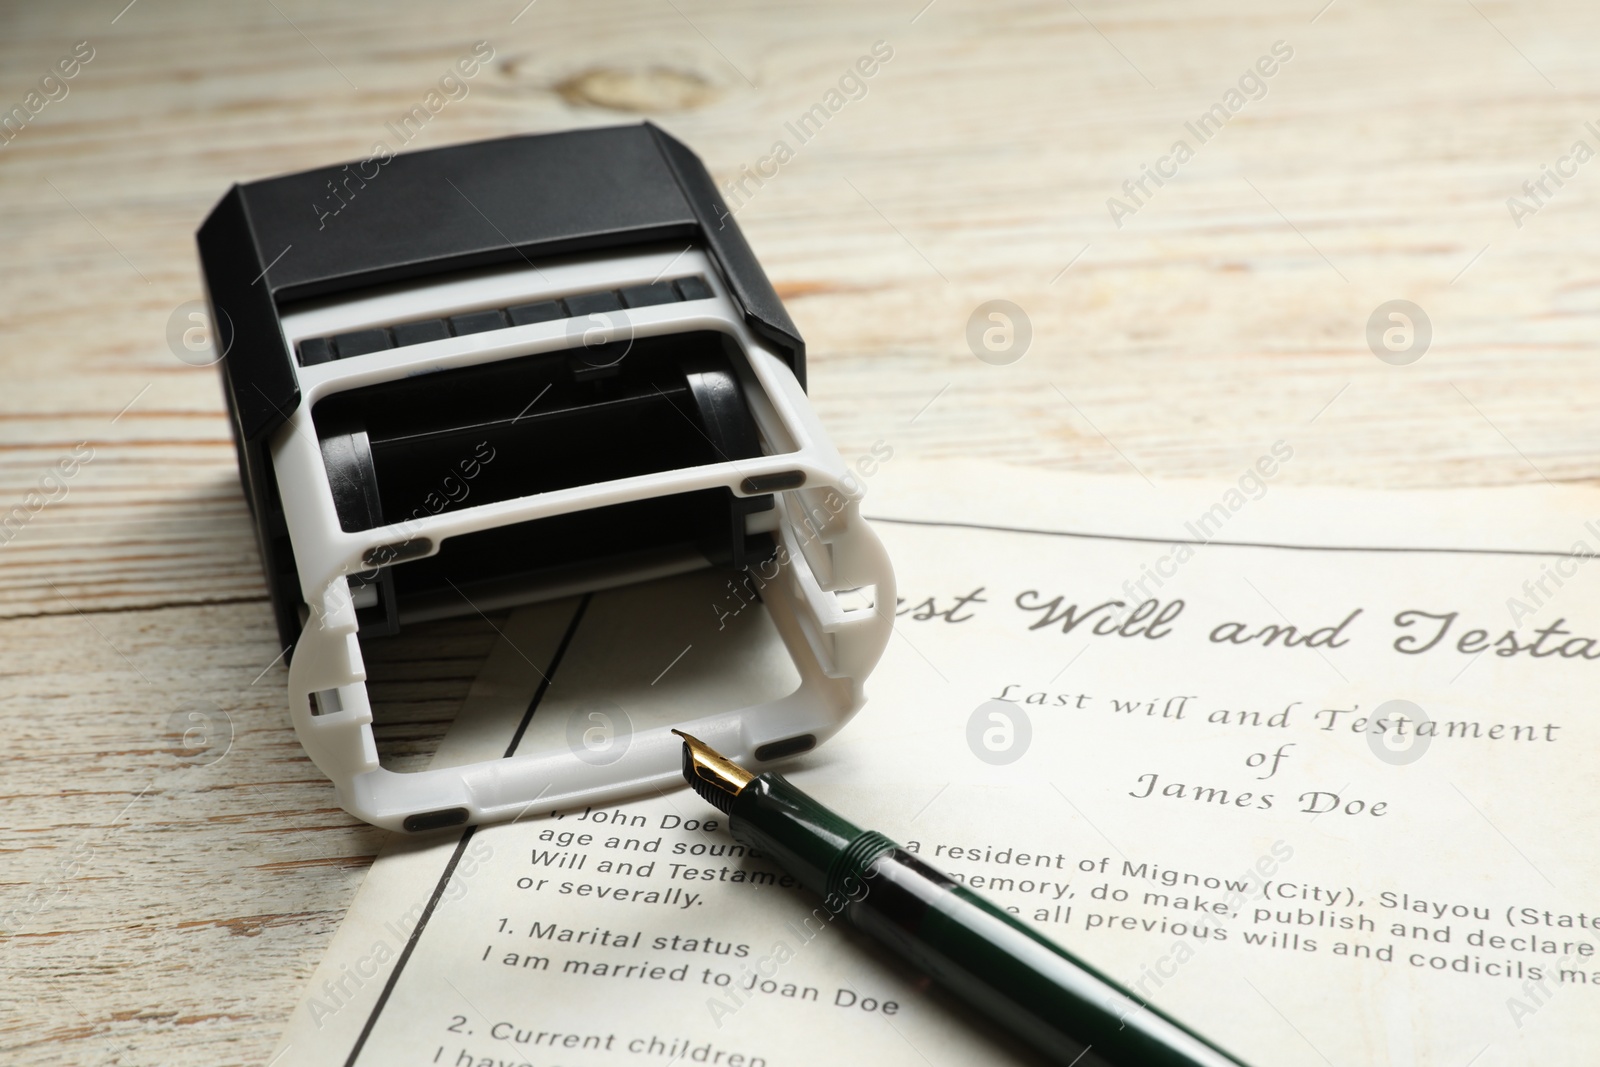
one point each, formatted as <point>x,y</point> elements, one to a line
<point>803,837</point>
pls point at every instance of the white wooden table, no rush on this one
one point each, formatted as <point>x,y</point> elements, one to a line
<point>162,899</point>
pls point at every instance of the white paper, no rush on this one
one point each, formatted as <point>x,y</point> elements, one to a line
<point>1436,914</point>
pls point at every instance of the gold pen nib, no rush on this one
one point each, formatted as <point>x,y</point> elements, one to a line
<point>714,776</point>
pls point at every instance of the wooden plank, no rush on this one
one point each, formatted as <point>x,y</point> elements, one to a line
<point>173,861</point>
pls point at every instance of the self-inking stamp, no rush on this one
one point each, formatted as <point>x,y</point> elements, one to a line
<point>572,324</point>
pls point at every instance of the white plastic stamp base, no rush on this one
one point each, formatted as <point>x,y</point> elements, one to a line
<point>825,548</point>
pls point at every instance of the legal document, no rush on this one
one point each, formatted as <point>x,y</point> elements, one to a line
<point>1310,770</point>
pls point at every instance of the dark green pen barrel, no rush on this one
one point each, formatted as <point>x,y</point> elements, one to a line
<point>1032,987</point>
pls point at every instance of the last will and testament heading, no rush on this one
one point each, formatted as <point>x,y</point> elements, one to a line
<point>1410,632</point>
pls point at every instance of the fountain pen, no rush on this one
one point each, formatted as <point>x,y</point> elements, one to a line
<point>1022,981</point>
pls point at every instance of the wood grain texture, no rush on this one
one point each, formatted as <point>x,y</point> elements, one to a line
<point>162,911</point>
